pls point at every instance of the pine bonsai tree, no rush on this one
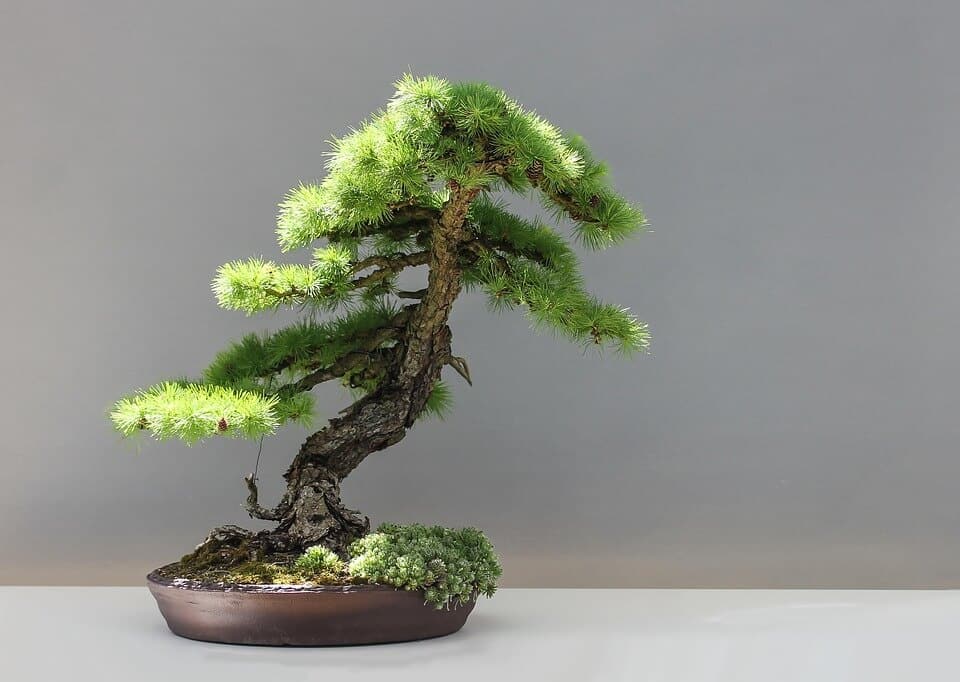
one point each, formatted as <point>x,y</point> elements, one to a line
<point>413,186</point>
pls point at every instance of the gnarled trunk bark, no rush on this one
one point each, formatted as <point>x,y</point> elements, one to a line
<point>311,511</point>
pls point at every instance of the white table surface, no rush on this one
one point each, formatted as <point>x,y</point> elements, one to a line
<point>116,633</point>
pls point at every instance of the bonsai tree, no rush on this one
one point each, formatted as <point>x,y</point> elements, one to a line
<point>412,187</point>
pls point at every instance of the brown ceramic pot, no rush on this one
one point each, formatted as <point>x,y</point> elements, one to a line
<point>279,615</point>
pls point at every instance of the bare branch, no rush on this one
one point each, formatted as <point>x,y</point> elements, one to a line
<point>418,294</point>
<point>392,262</point>
<point>460,365</point>
<point>388,265</point>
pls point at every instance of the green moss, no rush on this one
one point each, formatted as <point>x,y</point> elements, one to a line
<point>266,573</point>
<point>214,557</point>
<point>282,571</point>
<point>255,573</point>
<point>450,566</point>
<point>319,561</point>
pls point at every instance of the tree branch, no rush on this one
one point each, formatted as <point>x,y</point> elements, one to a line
<point>350,361</point>
<point>506,247</point>
<point>418,294</point>
<point>405,219</point>
<point>412,211</point>
<point>368,352</point>
<point>480,247</point>
<point>388,266</point>
<point>565,201</point>
<point>460,365</point>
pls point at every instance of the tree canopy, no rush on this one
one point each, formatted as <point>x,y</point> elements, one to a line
<point>372,217</point>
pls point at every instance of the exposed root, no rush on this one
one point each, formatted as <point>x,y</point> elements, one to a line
<point>255,509</point>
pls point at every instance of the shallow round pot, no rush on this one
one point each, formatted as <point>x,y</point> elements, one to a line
<point>323,615</point>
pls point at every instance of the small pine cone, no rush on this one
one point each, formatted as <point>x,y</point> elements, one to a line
<point>453,185</point>
<point>595,200</point>
<point>222,424</point>
<point>535,170</point>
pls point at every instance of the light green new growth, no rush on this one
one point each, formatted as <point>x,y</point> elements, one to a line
<point>256,284</point>
<point>192,411</point>
<point>319,561</point>
<point>386,185</point>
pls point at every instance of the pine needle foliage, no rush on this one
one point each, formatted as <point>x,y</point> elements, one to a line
<point>304,346</point>
<point>257,284</point>
<point>440,401</point>
<point>371,217</point>
<point>192,412</point>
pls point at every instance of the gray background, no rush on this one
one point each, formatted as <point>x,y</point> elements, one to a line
<point>796,423</point>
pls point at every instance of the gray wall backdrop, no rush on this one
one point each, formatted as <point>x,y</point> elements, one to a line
<point>795,425</point>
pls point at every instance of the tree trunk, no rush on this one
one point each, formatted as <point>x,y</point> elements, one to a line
<point>311,511</point>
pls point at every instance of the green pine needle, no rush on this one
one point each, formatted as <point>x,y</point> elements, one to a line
<point>554,301</point>
<point>439,402</point>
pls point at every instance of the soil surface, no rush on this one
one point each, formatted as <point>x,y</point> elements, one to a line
<point>278,575</point>
<point>167,575</point>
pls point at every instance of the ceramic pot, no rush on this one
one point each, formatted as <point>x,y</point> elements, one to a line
<point>292,615</point>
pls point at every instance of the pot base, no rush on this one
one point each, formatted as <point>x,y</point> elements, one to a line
<point>290,615</point>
